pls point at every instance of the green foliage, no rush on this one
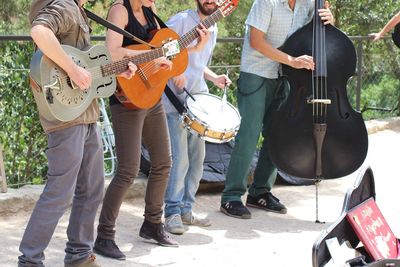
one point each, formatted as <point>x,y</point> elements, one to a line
<point>363,17</point>
<point>13,21</point>
<point>381,65</point>
<point>382,94</point>
<point>21,135</point>
<point>23,139</point>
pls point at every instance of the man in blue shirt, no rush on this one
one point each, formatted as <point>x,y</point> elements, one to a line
<point>188,150</point>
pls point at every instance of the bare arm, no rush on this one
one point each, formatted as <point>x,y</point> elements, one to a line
<point>219,80</point>
<point>258,42</point>
<point>390,25</point>
<point>118,15</point>
<point>50,46</point>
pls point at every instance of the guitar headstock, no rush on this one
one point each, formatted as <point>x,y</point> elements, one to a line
<point>227,6</point>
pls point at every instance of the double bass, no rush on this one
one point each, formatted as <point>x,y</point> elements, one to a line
<point>317,134</point>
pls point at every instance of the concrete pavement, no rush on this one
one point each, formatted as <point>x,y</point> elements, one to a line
<point>267,239</point>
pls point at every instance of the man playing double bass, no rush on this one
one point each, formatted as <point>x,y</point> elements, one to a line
<point>260,92</point>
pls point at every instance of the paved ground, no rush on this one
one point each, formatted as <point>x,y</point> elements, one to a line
<point>266,240</point>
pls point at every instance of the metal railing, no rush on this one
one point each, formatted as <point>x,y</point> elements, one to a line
<point>370,71</point>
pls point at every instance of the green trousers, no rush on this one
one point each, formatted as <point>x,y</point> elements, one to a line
<point>258,98</point>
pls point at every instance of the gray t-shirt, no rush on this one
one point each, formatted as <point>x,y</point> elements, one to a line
<point>278,22</point>
<point>182,23</point>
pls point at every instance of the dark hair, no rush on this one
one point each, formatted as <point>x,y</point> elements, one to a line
<point>396,35</point>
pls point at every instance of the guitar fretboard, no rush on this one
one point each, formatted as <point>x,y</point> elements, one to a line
<point>122,65</point>
<point>191,35</point>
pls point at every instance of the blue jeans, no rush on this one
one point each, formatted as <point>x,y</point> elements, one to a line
<point>188,152</point>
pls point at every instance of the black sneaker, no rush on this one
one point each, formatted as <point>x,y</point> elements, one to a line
<point>157,232</point>
<point>235,209</point>
<point>267,202</point>
<point>108,248</point>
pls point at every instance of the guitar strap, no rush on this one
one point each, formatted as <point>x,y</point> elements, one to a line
<point>115,28</point>
<point>174,100</point>
<point>168,92</point>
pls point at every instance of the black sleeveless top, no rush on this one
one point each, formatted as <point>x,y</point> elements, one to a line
<point>134,27</point>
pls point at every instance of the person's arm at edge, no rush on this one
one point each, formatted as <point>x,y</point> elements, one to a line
<point>389,26</point>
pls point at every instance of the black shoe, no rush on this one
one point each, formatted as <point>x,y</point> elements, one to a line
<point>157,232</point>
<point>108,248</point>
<point>267,202</point>
<point>235,209</point>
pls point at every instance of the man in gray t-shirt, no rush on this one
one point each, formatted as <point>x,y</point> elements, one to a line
<point>268,25</point>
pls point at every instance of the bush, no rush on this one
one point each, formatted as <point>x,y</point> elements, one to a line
<point>21,134</point>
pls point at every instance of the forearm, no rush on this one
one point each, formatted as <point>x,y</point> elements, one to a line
<point>391,24</point>
<point>258,42</point>
<point>48,43</point>
<point>270,52</point>
<point>114,45</point>
<point>209,74</point>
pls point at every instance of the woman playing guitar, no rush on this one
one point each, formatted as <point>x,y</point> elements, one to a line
<point>131,128</point>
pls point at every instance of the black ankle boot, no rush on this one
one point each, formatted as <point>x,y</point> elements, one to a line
<point>108,248</point>
<point>156,232</point>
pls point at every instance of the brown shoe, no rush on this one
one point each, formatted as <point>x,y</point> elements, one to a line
<point>157,232</point>
<point>89,262</point>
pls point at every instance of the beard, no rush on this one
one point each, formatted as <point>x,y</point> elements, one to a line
<point>206,11</point>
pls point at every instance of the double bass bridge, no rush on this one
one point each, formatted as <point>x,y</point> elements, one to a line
<point>319,101</point>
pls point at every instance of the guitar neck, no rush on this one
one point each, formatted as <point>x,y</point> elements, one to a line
<point>190,36</point>
<point>120,66</point>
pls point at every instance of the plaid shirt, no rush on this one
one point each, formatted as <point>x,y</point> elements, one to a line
<point>278,22</point>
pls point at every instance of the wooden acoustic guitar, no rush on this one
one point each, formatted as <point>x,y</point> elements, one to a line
<point>144,90</point>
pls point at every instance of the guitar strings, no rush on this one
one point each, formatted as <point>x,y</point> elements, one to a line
<point>151,67</point>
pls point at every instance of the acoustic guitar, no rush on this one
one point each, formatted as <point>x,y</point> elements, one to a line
<point>144,90</point>
<point>58,98</point>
